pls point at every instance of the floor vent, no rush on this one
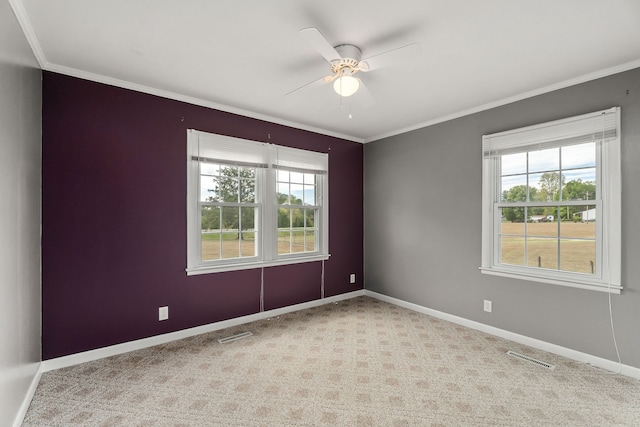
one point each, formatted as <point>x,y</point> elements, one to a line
<point>531,360</point>
<point>234,337</point>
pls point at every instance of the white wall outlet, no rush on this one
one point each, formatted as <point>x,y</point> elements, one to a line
<point>488,306</point>
<point>352,278</point>
<point>163,313</point>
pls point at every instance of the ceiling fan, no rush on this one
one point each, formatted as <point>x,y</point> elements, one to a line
<point>345,61</point>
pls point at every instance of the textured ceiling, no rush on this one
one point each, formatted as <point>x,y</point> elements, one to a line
<point>244,56</point>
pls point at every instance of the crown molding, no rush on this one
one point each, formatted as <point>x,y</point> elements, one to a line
<point>73,72</point>
<point>29,33</point>
<point>27,28</point>
<point>34,43</point>
<point>529,94</point>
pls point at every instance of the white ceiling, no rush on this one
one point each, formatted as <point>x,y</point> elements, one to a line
<point>243,56</point>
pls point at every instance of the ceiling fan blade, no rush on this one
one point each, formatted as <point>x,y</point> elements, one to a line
<point>319,43</point>
<point>312,84</point>
<point>389,58</point>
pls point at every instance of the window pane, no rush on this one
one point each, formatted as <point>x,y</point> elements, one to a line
<point>297,177</point>
<point>230,245</point>
<point>228,189</point>
<point>230,218</point>
<point>208,189</point>
<point>580,229</point>
<point>247,173</point>
<point>310,241</point>
<point>283,175</point>
<point>580,184</point>
<point>514,164</point>
<point>209,168</point>
<point>513,214</point>
<point>584,175</point>
<point>297,191</point>
<point>512,250</point>
<point>570,213</point>
<point>577,213</point>
<point>547,186</point>
<point>248,244</point>
<point>248,216</point>
<point>210,234</point>
<point>513,188</point>
<point>248,232</point>
<point>283,193</point>
<point>297,240</point>
<point>247,191</point>
<point>578,256</point>
<point>310,215</point>
<point>542,229</point>
<point>284,218</point>
<point>513,228</point>
<point>210,218</point>
<point>310,230</point>
<point>542,221</point>
<point>544,160</point>
<point>284,241</point>
<point>542,252</point>
<point>297,218</point>
<point>210,245</point>
<point>310,178</point>
<point>579,156</point>
<point>297,233</point>
<point>309,195</point>
<point>284,231</point>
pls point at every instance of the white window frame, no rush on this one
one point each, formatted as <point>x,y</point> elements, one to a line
<point>603,127</point>
<point>267,159</point>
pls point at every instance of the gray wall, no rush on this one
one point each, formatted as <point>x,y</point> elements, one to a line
<point>423,225</point>
<point>20,172</point>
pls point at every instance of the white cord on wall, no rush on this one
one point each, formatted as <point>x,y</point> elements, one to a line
<point>613,333</point>
<point>261,289</point>
<point>322,281</point>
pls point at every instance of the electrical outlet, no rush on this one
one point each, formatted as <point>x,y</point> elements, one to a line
<point>163,313</point>
<point>488,306</point>
<point>352,278</point>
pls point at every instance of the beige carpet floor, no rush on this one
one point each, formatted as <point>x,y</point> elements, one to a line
<point>360,362</point>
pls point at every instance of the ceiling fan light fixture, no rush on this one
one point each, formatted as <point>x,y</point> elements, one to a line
<point>346,85</point>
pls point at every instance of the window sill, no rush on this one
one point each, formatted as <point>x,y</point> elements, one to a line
<point>589,285</point>
<point>252,265</point>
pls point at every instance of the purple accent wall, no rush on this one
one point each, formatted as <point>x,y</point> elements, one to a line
<point>114,219</point>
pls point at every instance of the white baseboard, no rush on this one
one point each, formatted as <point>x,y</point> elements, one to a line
<point>31,391</point>
<point>598,362</point>
<point>88,356</point>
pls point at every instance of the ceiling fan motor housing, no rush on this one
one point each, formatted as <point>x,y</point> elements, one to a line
<point>350,57</point>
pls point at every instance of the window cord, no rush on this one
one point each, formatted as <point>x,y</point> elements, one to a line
<point>613,329</point>
<point>613,333</point>
<point>322,281</point>
<point>262,289</point>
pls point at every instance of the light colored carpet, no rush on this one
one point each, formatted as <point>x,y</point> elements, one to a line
<point>360,362</point>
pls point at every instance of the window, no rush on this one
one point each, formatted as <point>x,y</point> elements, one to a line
<point>228,211</point>
<point>297,209</point>
<point>252,204</point>
<point>551,202</point>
